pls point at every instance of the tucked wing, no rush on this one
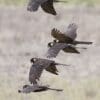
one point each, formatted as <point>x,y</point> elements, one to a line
<point>71,49</point>
<point>52,69</point>
<point>60,36</point>
<point>48,7</point>
<point>55,49</point>
<point>35,73</point>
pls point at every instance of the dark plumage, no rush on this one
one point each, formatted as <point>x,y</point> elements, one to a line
<point>69,36</point>
<point>46,5</point>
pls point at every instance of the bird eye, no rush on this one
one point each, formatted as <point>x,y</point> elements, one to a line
<point>55,41</point>
<point>33,60</point>
<point>51,44</point>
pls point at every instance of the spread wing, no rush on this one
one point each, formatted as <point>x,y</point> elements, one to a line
<point>60,36</point>
<point>35,73</point>
<point>55,49</point>
<point>71,49</point>
<point>71,31</point>
<point>52,69</point>
<point>48,7</point>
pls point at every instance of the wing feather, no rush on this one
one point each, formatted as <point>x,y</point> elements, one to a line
<point>48,7</point>
<point>52,69</point>
<point>60,36</point>
<point>35,73</point>
<point>71,49</point>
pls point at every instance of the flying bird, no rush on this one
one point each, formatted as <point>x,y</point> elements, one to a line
<point>36,88</point>
<point>38,65</point>
<point>69,36</point>
<point>46,5</point>
<point>55,47</point>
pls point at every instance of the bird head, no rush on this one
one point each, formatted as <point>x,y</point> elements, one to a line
<point>55,41</point>
<point>33,60</point>
<point>50,44</point>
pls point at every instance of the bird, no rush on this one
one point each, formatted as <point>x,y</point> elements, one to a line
<point>38,65</point>
<point>69,36</point>
<point>46,5</point>
<point>55,47</point>
<point>36,88</point>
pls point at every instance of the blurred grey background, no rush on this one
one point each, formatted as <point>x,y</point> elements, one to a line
<point>25,34</point>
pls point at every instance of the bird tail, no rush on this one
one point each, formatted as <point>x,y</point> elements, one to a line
<point>82,42</point>
<point>48,88</point>
<point>58,1</point>
<point>80,47</point>
<point>61,64</point>
<point>55,89</point>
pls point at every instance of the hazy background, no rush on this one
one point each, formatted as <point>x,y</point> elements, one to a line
<point>25,34</point>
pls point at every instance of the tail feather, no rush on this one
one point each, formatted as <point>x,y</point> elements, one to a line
<point>61,64</point>
<point>82,42</point>
<point>80,47</point>
<point>55,89</point>
<point>57,1</point>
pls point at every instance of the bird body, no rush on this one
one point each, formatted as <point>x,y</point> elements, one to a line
<point>36,88</point>
<point>38,65</point>
<point>56,47</point>
<point>69,36</point>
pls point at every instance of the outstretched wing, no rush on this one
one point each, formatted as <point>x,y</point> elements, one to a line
<point>71,49</point>
<point>60,36</point>
<point>48,7</point>
<point>55,49</point>
<point>35,73</point>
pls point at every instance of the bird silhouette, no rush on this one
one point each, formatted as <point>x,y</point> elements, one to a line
<point>36,88</point>
<point>46,5</point>
<point>38,65</point>
<point>69,36</point>
<point>55,47</point>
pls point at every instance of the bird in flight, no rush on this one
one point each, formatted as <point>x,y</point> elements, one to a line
<point>36,88</point>
<point>55,47</point>
<point>46,5</point>
<point>38,65</point>
<point>69,36</point>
